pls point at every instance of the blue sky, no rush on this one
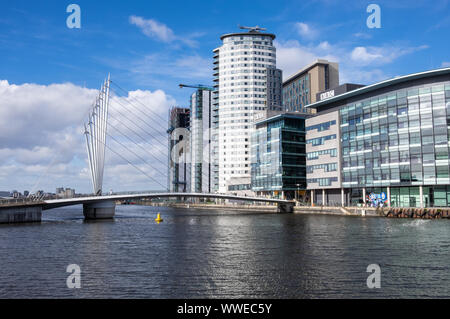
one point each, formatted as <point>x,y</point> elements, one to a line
<point>36,46</point>
<point>151,46</point>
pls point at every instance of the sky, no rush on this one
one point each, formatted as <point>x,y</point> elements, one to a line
<point>50,74</point>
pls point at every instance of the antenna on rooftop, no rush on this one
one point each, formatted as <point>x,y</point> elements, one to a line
<point>252,29</point>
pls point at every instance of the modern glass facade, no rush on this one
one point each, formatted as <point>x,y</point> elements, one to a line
<point>399,139</point>
<point>279,156</point>
<point>200,142</point>
<point>296,94</point>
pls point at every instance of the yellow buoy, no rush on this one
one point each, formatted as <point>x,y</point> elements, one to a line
<point>158,218</point>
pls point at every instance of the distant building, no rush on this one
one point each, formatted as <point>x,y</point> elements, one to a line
<point>65,193</point>
<point>5,194</point>
<point>69,193</point>
<point>26,193</point>
<point>40,193</point>
<point>60,192</point>
<point>16,194</point>
<point>179,174</point>
<point>301,89</point>
<point>279,156</point>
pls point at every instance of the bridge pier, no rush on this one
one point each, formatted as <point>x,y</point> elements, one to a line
<point>99,210</point>
<point>285,207</point>
<point>20,214</point>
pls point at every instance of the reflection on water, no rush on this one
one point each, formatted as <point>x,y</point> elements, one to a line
<point>217,254</point>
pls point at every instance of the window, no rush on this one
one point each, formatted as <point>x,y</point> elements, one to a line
<point>442,172</point>
<point>315,155</point>
<point>321,127</point>
<point>330,167</point>
<point>429,172</point>
<point>322,181</point>
<point>320,140</point>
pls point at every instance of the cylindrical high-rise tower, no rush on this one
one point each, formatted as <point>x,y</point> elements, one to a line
<point>242,66</point>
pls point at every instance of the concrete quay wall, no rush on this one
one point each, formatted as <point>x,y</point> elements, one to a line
<point>319,210</point>
<point>21,214</point>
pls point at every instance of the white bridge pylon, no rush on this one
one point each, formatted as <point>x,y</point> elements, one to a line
<point>95,131</point>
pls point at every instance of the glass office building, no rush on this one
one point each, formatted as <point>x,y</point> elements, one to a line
<point>395,138</point>
<point>279,156</point>
<point>200,141</point>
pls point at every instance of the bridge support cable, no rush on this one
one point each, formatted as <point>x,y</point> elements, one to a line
<point>121,144</point>
<point>136,125</point>
<point>95,132</point>
<point>130,163</point>
<point>142,104</point>
<point>137,155</point>
<point>154,156</point>
<point>142,117</point>
<point>152,125</point>
<point>135,143</point>
<point>138,145</point>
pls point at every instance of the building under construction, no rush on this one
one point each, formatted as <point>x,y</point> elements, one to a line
<point>179,169</point>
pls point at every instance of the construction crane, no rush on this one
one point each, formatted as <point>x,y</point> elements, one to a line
<point>198,86</point>
<point>252,29</point>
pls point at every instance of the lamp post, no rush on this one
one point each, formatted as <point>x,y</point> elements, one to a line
<point>298,190</point>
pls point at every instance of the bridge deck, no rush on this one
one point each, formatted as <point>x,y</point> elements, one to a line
<point>54,203</point>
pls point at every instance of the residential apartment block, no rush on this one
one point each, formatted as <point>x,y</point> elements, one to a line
<point>246,82</point>
<point>301,88</point>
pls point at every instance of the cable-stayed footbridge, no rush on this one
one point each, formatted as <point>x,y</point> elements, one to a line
<point>133,133</point>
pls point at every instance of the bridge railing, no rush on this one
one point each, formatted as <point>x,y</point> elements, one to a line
<point>30,200</point>
<point>20,201</point>
<point>135,192</point>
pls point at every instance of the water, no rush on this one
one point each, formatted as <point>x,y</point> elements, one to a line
<point>223,254</point>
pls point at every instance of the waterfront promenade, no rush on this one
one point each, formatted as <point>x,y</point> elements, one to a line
<point>405,212</point>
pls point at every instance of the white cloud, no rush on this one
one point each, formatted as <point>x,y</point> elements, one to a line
<point>42,141</point>
<point>162,65</point>
<point>361,54</point>
<point>33,115</point>
<point>349,74</point>
<point>153,29</point>
<point>357,65</point>
<point>292,56</point>
<point>445,64</point>
<point>161,32</point>
<point>381,55</point>
<point>305,30</point>
<point>362,35</point>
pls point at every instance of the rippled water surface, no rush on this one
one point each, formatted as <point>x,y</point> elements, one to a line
<point>220,254</point>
